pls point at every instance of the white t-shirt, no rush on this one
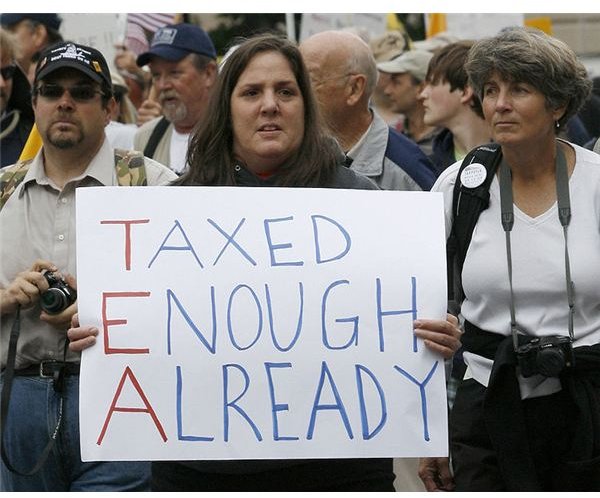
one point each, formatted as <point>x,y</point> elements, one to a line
<point>538,269</point>
<point>120,135</point>
<point>178,151</point>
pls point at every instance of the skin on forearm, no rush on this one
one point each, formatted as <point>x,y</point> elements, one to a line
<point>8,304</point>
<point>26,288</point>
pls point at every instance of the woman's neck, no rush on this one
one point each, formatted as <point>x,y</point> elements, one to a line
<point>531,160</point>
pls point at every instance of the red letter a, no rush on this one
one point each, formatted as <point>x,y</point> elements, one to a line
<point>115,408</point>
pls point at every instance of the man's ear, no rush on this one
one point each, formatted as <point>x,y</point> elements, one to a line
<point>356,88</point>
<point>466,95</point>
<point>40,36</point>
<point>211,72</point>
<point>111,109</point>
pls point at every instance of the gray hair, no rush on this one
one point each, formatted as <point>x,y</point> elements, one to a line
<point>530,56</point>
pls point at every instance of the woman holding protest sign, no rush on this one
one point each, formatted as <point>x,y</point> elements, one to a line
<point>264,130</point>
<point>525,417</point>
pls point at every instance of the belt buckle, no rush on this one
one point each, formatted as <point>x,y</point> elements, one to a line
<point>46,362</point>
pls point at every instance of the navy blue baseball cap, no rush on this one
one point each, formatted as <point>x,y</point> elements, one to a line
<point>175,41</point>
<point>50,20</point>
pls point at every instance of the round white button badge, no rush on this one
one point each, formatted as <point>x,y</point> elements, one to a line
<point>473,175</point>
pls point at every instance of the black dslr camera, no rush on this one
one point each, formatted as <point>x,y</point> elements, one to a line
<point>547,356</point>
<point>59,295</point>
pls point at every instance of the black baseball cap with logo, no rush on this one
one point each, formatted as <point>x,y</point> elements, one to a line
<point>88,60</point>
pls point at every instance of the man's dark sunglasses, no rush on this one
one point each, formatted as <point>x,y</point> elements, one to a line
<point>8,71</point>
<point>79,93</point>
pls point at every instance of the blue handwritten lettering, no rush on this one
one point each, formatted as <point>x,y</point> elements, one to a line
<point>274,247</point>
<point>180,435</point>
<point>363,406</point>
<point>422,393</point>
<point>260,317</point>
<point>338,405</point>
<point>230,240</point>
<point>354,319</point>
<point>211,346</point>
<point>187,247</point>
<point>233,404</point>
<point>278,346</point>
<point>277,407</point>
<point>342,230</point>
<point>381,313</point>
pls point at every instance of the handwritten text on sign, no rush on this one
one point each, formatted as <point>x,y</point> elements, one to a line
<point>241,323</point>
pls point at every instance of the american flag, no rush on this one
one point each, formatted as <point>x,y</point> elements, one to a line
<point>141,27</point>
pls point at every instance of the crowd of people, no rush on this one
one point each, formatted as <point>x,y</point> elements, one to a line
<point>504,127</point>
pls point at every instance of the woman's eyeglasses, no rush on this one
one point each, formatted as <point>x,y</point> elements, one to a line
<point>8,72</point>
<point>79,93</point>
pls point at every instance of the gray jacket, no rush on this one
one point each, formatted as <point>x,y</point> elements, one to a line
<point>391,160</point>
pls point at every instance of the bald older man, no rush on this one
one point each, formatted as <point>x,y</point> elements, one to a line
<point>343,74</point>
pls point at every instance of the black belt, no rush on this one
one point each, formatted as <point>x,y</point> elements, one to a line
<point>49,368</point>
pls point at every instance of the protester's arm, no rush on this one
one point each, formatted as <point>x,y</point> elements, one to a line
<point>441,336</point>
<point>26,288</point>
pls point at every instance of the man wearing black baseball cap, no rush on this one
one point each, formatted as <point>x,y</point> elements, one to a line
<point>72,102</point>
<point>34,32</point>
<point>182,61</point>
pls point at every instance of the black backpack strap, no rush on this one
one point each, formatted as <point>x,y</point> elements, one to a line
<point>467,205</point>
<point>155,136</point>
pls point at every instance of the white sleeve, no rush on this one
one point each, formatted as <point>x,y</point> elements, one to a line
<point>445,184</point>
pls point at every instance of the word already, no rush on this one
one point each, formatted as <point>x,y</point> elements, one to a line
<point>278,249</point>
<point>233,403</point>
<point>225,318</point>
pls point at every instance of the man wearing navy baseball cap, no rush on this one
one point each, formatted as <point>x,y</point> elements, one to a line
<point>182,61</point>
<point>33,32</point>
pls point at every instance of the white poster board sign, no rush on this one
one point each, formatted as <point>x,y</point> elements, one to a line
<point>477,26</point>
<point>373,24</point>
<point>100,31</point>
<point>250,323</point>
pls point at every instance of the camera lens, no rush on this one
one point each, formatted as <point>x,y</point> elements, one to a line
<point>551,361</point>
<point>53,301</point>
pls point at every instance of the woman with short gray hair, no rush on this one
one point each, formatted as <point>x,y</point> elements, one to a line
<point>532,57</point>
<point>525,416</point>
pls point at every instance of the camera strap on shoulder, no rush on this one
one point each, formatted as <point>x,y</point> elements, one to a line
<point>9,373</point>
<point>564,215</point>
<point>470,197</point>
<point>155,137</point>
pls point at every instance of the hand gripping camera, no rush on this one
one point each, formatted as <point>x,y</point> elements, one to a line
<point>59,295</point>
<point>547,356</point>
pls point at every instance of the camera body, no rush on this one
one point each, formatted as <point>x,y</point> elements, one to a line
<point>59,295</point>
<point>547,355</point>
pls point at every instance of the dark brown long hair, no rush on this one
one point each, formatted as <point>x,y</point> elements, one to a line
<point>210,154</point>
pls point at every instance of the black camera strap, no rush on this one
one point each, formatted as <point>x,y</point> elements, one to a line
<point>9,372</point>
<point>564,215</point>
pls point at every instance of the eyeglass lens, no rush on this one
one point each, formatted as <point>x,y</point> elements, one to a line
<point>80,93</point>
